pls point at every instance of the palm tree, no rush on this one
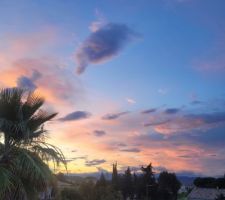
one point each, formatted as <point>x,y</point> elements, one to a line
<point>24,154</point>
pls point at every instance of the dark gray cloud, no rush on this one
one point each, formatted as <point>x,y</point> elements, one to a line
<point>104,43</point>
<point>186,156</point>
<point>121,144</point>
<point>99,133</point>
<point>80,158</point>
<point>111,116</point>
<point>69,160</point>
<point>152,110</point>
<point>77,115</point>
<point>209,118</point>
<point>28,83</point>
<point>156,123</point>
<point>95,162</point>
<point>131,150</point>
<point>172,110</point>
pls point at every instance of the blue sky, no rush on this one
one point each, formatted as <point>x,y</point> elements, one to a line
<point>91,59</point>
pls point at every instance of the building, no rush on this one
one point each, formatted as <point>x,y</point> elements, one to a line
<point>47,195</point>
<point>205,193</point>
<point>62,185</point>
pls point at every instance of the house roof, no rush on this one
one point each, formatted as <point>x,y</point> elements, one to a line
<point>64,184</point>
<point>205,193</point>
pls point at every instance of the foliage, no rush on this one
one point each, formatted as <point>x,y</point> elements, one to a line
<point>115,178</point>
<point>24,154</point>
<point>70,194</point>
<point>209,182</point>
<point>168,185</point>
<point>129,186</point>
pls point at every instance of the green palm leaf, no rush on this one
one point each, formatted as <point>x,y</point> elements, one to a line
<point>24,155</point>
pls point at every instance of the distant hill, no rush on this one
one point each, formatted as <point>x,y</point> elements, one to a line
<point>78,179</point>
<point>95,175</point>
<point>186,180</point>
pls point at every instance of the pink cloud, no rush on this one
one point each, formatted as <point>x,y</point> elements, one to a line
<point>22,55</point>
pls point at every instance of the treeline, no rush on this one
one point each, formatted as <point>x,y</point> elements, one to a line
<point>209,182</point>
<point>128,185</point>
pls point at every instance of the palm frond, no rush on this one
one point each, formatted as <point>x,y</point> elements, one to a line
<point>24,155</point>
<point>10,103</point>
<point>35,122</point>
<point>48,152</point>
<point>10,186</point>
<point>32,169</point>
<point>31,105</point>
<point>14,129</point>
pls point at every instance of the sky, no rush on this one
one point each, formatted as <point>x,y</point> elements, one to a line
<point>133,82</point>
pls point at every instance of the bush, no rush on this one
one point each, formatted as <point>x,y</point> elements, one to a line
<point>70,194</point>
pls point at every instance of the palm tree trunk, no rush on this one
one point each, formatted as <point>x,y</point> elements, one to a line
<point>6,141</point>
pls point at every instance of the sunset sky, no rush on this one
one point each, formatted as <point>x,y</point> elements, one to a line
<point>133,81</point>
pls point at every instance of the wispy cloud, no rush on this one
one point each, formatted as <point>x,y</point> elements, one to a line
<point>99,133</point>
<point>80,158</point>
<point>214,66</point>
<point>190,122</point>
<point>156,123</point>
<point>104,43</point>
<point>112,116</point>
<point>172,110</point>
<point>77,115</point>
<point>95,162</point>
<point>130,101</point>
<point>151,110</point>
<point>131,150</point>
<point>197,102</point>
<point>162,91</point>
<point>29,63</point>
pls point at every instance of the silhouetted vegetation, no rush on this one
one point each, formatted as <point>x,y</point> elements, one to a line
<point>209,182</point>
<point>69,193</point>
<point>168,185</point>
<point>24,154</point>
<point>134,186</point>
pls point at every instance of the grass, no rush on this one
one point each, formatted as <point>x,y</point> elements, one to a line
<point>182,196</point>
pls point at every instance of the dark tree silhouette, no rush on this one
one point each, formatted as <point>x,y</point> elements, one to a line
<point>209,182</point>
<point>70,194</point>
<point>147,182</point>
<point>115,178</point>
<point>168,185</point>
<point>127,184</point>
<point>101,182</point>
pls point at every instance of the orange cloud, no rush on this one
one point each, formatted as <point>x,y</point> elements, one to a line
<point>21,55</point>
